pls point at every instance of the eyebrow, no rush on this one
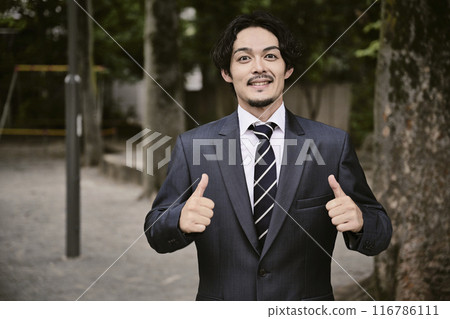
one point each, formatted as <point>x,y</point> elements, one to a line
<point>245,49</point>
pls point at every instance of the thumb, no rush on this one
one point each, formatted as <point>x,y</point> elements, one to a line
<point>201,187</point>
<point>337,190</point>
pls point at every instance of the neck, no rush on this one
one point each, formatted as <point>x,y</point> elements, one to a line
<point>263,113</point>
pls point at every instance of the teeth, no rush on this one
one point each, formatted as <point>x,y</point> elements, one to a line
<point>260,83</point>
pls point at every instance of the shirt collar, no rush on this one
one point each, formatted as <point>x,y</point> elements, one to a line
<point>246,119</point>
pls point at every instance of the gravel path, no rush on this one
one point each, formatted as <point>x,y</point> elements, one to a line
<point>32,237</point>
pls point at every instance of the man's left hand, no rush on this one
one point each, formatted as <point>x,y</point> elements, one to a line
<point>343,211</point>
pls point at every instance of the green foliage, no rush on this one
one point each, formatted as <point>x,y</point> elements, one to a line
<point>370,51</point>
<point>124,21</point>
<point>35,32</point>
<point>374,46</point>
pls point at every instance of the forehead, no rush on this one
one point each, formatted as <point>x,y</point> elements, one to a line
<point>255,38</point>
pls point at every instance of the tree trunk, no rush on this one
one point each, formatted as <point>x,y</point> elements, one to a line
<point>313,103</point>
<point>412,115</point>
<point>91,110</point>
<point>161,61</point>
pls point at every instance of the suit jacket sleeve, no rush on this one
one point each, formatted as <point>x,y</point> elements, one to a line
<point>162,222</point>
<point>377,229</point>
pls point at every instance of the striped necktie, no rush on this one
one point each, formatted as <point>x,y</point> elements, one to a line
<point>265,183</point>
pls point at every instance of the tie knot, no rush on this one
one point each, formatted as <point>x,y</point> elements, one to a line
<point>263,131</point>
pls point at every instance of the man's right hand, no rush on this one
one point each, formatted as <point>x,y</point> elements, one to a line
<point>198,210</point>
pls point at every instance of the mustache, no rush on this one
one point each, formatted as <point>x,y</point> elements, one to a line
<point>258,77</point>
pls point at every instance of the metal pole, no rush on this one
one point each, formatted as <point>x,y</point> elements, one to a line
<point>73,132</point>
<point>8,101</point>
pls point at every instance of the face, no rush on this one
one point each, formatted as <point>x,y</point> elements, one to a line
<point>257,70</point>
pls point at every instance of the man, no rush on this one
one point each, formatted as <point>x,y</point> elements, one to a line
<point>263,209</point>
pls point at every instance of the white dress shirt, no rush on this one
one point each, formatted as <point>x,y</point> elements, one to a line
<point>249,143</point>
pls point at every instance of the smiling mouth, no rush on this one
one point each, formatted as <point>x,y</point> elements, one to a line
<point>260,81</point>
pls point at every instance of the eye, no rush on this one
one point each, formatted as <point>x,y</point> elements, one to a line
<point>271,56</point>
<point>243,58</point>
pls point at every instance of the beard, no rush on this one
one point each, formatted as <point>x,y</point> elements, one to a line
<point>261,103</point>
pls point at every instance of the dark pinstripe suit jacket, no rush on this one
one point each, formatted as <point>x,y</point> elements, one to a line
<point>295,261</point>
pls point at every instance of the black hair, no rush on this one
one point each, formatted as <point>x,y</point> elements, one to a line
<point>289,47</point>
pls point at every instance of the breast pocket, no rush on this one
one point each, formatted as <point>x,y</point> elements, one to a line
<point>313,201</point>
<point>312,216</point>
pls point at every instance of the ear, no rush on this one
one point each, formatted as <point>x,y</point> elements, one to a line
<point>288,73</point>
<point>226,76</point>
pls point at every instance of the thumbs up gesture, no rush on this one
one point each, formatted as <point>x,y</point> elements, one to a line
<point>343,211</point>
<point>198,210</point>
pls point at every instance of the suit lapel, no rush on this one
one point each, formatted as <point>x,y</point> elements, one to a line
<point>234,178</point>
<point>290,175</point>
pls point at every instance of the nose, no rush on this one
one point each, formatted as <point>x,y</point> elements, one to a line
<point>258,66</point>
